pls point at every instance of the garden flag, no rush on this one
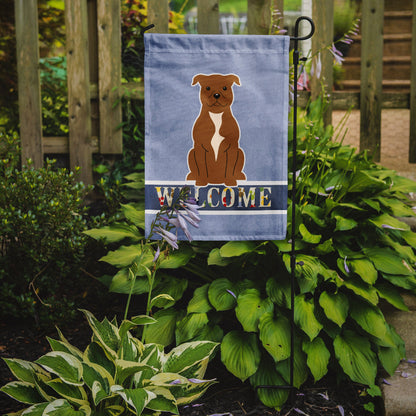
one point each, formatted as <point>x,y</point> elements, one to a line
<point>216,116</point>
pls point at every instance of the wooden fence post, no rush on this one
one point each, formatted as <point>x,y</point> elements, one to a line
<point>30,107</point>
<point>259,16</point>
<point>158,14</point>
<point>323,16</point>
<point>109,75</point>
<point>371,76</point>
<point>412,138</point>
<point>79,106</point>
<point>208,16</point>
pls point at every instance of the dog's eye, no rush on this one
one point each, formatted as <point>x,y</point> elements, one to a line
<point>208,88</point>
<point>224,88</point>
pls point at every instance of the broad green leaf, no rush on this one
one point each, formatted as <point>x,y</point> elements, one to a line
<point>215,259</point>
<point>95,353</point>
<point>402,184</point>
<point>199,302</point>
<point>190,359</point>
<point>240,354</point>
<point>318,357</point>
<point>131,348</point>
<point>137,399</point>
<point>365,269</point>
<point>106,333</point>
<point>237,248</point>
<point>372,204</point>
<point>305,316</point>
<point>356,358</point>
<point>23,391</point>
<point>114,410</point>
<point>307,236</point>
<point>170,286</point>
<point>64,365</point>
<point>275,336</point>
<point>409,237</point>
<point>177,258</point>
<point>363,181</point>
<point>266,375</point>
<point>362,289</point>
<point>405,282</point>
<point>211,332</point>
<point>35,410</point>
<point>325,248</point>
<point>389,358</point>
<point>370,319</point>
<point>285,247</point>
<point>163,402</point>
<point>306,270</point>
<point>24,370</point>
<point>190,326</point>
<point>64,346</point>
<point>74,394</point>
<point>122,283</point>
<point>161,300</point>
<point>344,224</point>
<point>250,307</point>
<point>279,291</point>
<point>335,306</point>
<point>300,368</point>
<point>124,256</point>
<point>139,320</point>
<point>127,368</point>
<point>136,216</point>
<point>316,213</point>
<point>163,331</point>
<point>61,407</point>
<point>389,222</point>
<point>387,261</point>
<point>98,379</point>
<point>389,293</point>
<point>114,233</point>
<point>397,207</point>
<point>219,294</point>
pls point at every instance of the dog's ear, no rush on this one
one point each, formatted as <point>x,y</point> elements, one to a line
<point>197,79</point>
<point>234,78</point>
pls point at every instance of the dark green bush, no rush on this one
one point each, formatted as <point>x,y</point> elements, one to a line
<point>41,243</point>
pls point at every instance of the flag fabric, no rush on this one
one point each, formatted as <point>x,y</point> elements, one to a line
<point>216,120</point>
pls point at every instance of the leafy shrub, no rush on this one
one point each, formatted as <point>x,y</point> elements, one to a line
<point>41,244</point>
<point>351,253</point>
<point>116,373</point>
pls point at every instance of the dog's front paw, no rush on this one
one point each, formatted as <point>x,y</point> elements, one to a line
<point>201,182</point>
<point>230,182</point>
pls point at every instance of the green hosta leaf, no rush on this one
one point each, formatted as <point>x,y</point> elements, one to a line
<point>316,213</point>
<point>250,307</point>
<point>325,248</point>
<point>275,336</point>
<point>190,359</point>
<point>363,181</point>
<point>124,256</point>
<point>23,391</point>
<point>73,394</point>
<point>98,379</point>
<point>389,358</point>
<point>266,375</point>
<point>163,402</point>
<point>397,207</point>
<point>402,184</point>
<point>115,232</point>
<point>122,283</point>
<point>64,346</point>
<point>35,410</point>
<point>362,289</point>
<point>300,368</point>
<point>177,258</point>
<point>139,320</point>
<point>136,216</point>
<point>409,237</point>
<point>190,326</point>
<point>389,293</point>
<point>131,348</point>
<point>406,282</point>
<point>127,368</point>
<point>306,270</point>
<point>389,222</point>
<point>305,316</point>
<point>114,410</point>
<point>199,302</point>
<point>307,236</point>
<point>285,247</point>
<point>163,331</point>
<point>279,291</point>
<point>106,333</point>
<point>95,353</point>
<point>170,286</point>
<point>219,294</point>
<point>370,319</point>
<point>237,248</point>
<point>137,399</point>
<point>240,354</point>
<point>24,370</point>
<point>344,224</point>
<point>318,357</point>
<point>387,261</point>
<point>356,357</point>
<point>161,300</point>
<point>365,269</point>
<point>211,332</point>
<point>153,355</point>
<point>335,306</point>
<point>184,390</point>
<point>61,407</point>
<point>64,365</point>
<point>215,259</point>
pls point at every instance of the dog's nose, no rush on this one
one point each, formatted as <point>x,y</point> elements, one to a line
<point>216,96</point>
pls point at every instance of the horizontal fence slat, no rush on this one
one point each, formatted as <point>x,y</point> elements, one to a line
<point>79,106</point>
<point>109,76</point>
<point>60,145</point>
<point>30,108</point>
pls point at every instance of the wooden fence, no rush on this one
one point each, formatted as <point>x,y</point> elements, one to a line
<point>94,73</point>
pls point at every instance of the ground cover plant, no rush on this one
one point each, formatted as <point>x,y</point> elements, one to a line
<point>352,252</point>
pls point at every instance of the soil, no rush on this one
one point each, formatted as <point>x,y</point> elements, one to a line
<point>229,397</point>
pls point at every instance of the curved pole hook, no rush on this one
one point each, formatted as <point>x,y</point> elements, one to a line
<point>308,36</point>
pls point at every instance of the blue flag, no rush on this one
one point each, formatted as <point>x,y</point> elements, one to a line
<point>216,120</point>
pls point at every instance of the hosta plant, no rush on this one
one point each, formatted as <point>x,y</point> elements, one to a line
<point>115,375</point>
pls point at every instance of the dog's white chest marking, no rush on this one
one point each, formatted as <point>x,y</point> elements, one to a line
<point>216,138</point>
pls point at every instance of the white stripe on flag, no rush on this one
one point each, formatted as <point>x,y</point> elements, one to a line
<point>231,212</point>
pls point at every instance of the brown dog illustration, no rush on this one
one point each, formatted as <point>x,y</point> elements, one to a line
<point>216,157</point>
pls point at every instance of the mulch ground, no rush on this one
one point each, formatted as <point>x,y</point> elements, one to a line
<point>20,339</point>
